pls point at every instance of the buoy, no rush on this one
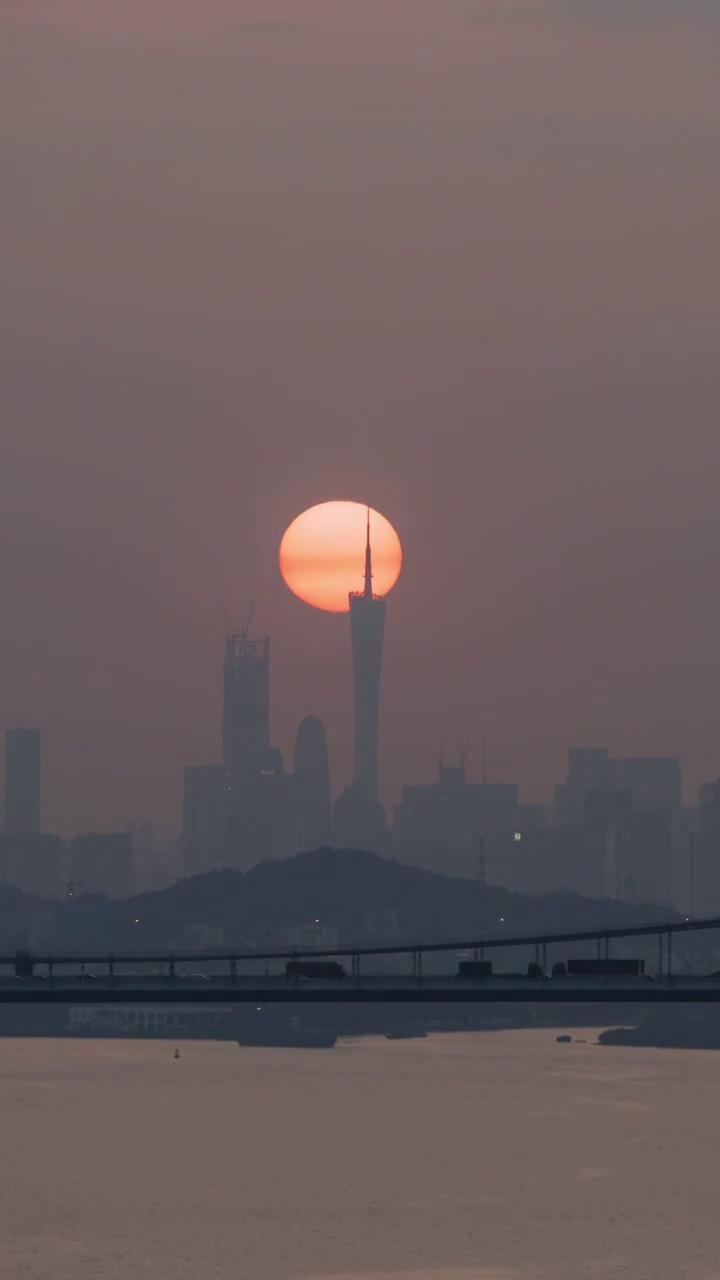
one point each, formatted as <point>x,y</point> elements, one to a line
<point>177,1053</point>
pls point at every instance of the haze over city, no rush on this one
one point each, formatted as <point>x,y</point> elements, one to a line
<point>482,297</point>
<point>359,730</point>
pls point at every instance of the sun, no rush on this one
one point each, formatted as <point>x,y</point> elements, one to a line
<point>322,554</point>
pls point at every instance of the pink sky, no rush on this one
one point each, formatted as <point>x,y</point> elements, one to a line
<point>454,259</point>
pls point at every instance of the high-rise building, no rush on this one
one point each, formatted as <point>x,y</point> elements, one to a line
<point>206,807</point>
<point>367,628</point>
<point>246,702</point>
<point>312,818</point>
<point>654,782</point>
<point>710,809</point>
<point>34,863</point>
<point>465,828</point>
<point>22,782</point>
<point>588,770</point>
<point>359,816</point>
<point>260,816</point>
<point>239,812</point>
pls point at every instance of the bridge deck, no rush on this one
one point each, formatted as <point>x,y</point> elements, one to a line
<point>359,990</point>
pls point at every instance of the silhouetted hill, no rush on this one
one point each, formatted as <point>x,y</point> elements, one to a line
<point>340,887</point>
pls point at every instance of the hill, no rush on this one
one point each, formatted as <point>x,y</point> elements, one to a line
<point>339,887</point>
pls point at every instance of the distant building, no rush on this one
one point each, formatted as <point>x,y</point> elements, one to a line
<point>312,802</point>
<point>239,812</point>
<point>101,862</point>
<point>654,783</point>
<point>704,869</point>
<point>359,815</point>
<point>199,937</point>
<point>607,810</point>
<point>588,770</point>
<point>463,828</point>
<point>305,937</point>
<point>150,1020</point>
<point>246,702</point>
<point>22,782</point>
<point>710,809</point>
<point>260,814</point>
<point>647,853</point>
<point>575,859</point>
<point>532,817</point>
<point>34,863</point>
<point>207,790</point>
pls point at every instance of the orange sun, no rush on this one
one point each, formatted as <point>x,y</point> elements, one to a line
<point>322,554</point>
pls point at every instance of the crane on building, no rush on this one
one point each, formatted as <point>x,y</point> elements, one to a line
<point>233,628</point>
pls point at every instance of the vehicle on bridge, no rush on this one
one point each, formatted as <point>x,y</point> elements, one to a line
<point>474,969</point>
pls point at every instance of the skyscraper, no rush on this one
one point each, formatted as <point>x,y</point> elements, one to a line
<point>246,702</point>
<point>22,782</point>
<point>367,627</point>
<point>358,813</point>
<point>205,812</point>
<point>312,825</point>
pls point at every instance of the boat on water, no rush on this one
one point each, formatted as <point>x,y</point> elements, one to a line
<point>406,1033</point>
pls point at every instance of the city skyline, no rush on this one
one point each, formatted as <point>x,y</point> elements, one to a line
<point>482,298</point>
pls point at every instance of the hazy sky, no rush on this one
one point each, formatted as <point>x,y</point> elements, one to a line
<point>455,258</point>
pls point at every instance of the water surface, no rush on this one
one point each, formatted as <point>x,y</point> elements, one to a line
<point>489,1157</point>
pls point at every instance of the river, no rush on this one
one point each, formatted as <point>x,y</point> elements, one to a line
<point>500,1156</point>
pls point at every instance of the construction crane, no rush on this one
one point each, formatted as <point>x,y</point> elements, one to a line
<point>233,628</point>
<point>246,628</point>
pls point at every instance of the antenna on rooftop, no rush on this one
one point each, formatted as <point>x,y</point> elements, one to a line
<point>368,561</point>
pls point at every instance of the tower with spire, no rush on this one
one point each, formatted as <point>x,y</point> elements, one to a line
<point>359,816</point>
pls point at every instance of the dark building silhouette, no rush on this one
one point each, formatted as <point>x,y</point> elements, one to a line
<point>588,770</point>
<point>207,791</point>
<point>101,862</point>
<point>704,869</point>
<point>246,701</point>
<point>607,810</point>
<point>710,809</point>
<point>260,814</point>
<point>239,812</point>
<point>312,818</point>
<point>22,782</point>
<point>35,863</point>
<point>359,816</point>
<point>468,828</point>
<point>654,783</point>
